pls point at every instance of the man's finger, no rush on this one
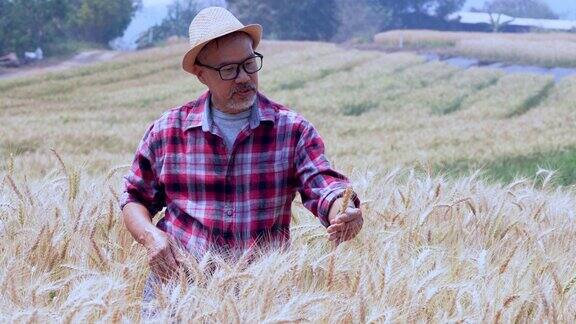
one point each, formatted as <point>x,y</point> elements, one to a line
<point>350,215</point>
<point>350,230</point>
<point>164,263</point>
<point>345,237</point>
<point>335,228</point>
<point>344,231</point>
<point>353,224</point>
<point>160,269</point>
<point>333,237</point>
<point>356,224</point>
<point>351,234</point>
<point>169,259</point>
<point>175,255</point>
<point>337,237</point>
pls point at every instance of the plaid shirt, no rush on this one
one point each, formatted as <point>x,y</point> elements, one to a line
<point>234,200</point>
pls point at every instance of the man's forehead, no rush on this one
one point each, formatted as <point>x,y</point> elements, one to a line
<point>228,49</point>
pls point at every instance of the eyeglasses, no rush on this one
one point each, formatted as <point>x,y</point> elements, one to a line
<point>230,71</point>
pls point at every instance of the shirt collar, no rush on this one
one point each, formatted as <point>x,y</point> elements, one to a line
<point>201,116</point>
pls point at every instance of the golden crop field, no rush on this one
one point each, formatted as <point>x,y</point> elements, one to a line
<point>440,242</point>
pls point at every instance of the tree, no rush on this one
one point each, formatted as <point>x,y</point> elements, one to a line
<point>297,20</point>
<point>498,21</point>
<point>50,24</point>
<point>521,8</point>
<point>101,20</point>
<point>28,24</point>
<point>180,14</point>
<point>322,19</point>
<point>358,19</point>
<point>419,13</point>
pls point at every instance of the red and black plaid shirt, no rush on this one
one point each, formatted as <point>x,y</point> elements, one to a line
<point>231,201</point>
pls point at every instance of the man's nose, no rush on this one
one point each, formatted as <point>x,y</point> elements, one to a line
<point>242,76</point>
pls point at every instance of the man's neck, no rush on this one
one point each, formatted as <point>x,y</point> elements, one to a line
<point>216,113</point>
<point>215,106</point>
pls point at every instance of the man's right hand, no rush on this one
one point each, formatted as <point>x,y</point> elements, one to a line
<point>161,247</point>
<point>162,253</point>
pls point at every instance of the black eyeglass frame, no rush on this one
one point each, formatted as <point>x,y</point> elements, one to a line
<point>238,65</point>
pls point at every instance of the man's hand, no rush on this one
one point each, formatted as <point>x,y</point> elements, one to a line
<point>162,253</point>
<point>346,226</point>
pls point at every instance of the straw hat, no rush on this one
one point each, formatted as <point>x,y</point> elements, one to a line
<point>211,23</point>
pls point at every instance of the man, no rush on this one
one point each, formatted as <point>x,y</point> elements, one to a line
<point>227,165</point>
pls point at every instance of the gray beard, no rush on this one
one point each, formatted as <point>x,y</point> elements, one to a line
<point>239,106</point>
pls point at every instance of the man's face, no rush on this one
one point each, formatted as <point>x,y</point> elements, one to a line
<point>230,96</point>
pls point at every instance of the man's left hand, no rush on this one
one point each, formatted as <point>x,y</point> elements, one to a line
<point>344,227</point>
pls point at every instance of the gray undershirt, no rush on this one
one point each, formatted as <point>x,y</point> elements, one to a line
<point>230,125</point>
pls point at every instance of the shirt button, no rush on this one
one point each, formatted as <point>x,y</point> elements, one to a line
<point>229,212</point>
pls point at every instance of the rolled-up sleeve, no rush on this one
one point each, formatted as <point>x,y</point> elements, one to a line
<point>318,184</point>
<point>141,184</point>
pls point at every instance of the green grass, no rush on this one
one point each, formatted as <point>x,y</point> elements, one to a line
<point>357,108</point>
<point>455,104</point>
<point>292,85</point>
<point>301,82</point>
<point>534,100</point>
<point>509,168</point>
<point>446,108</point>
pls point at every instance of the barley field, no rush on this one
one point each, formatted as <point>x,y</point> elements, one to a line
<point>466,176</point>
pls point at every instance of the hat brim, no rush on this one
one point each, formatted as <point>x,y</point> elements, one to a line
<point>254,30</point>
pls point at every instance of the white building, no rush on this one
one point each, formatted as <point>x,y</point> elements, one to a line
<point>473,18</point>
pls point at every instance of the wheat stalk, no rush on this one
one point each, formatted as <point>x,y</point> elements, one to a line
<point>63,261</point>
<point>346,200</point>
<point>14,188</point>
<point>330,271</point>
<point>569,285</point>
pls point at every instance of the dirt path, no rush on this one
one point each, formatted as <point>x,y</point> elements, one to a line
<point>80,59</point>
